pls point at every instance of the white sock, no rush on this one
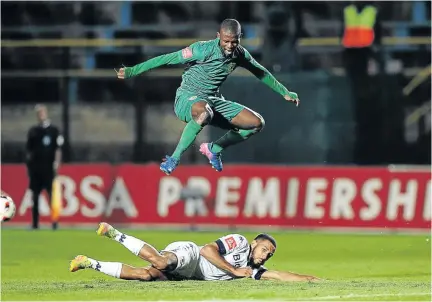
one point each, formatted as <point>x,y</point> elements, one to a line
<point>109,268</point>
<point>131,243</point>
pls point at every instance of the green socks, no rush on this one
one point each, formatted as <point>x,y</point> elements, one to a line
<point>231,138</point>
<point>189,134</point>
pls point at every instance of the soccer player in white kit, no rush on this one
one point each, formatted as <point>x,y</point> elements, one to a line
<point>227,258</point>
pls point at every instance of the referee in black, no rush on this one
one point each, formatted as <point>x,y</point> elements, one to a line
<point>43,150</point>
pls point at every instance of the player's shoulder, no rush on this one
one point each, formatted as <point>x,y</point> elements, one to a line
<point>205,44</point>
<point>54,129</point>
<point>242,52</point>
<point>238,239</point>
<point>205,48</point>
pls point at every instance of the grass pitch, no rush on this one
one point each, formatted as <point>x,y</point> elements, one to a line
<point>356,267</point>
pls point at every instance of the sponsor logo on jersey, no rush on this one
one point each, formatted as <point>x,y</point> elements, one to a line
<point>230,241</point>
<point>46,140</point>
<point>231,67</point>
<point>187,53</point>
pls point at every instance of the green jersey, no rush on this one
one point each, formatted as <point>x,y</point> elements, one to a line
<point>207,67</point>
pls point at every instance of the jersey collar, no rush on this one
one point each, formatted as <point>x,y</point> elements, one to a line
<point>249,255</point>
<point>45,124</point>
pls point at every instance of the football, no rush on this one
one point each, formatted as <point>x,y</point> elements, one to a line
<point>7,208</point>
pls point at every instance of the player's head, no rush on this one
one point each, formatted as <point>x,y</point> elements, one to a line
<point>41,112</point>
<point>263,248</point>
<point>229,35</point>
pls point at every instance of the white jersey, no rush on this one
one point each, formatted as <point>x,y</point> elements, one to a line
<point>191,265</point>
<point>236,250</point>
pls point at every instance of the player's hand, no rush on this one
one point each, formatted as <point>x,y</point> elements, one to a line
<point>292,97</point>
<point>120,73</point>
<point>242,272</point>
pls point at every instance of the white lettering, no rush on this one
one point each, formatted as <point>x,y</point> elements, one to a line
<point>27,203</point>
<point>224,196</point>
<point>260,200</point>
<point>344,191</point>
<point>88,191</point>
<point>72,204</point>
<point>370,197</point>
<point>198,188</point>
<point>397,198</point>
<point>169,193</point>
<point>292,197</point>
<point>314,198</point>
<point>120,199</point>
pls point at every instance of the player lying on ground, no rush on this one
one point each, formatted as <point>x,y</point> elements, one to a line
<point>227,258</point>
<point>198,101</point>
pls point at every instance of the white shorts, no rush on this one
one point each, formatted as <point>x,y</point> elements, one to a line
<point>188,254</point>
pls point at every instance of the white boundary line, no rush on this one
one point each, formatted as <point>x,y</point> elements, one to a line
<point>303,299</point>
<point>199,227</point>
<point>341,297</point>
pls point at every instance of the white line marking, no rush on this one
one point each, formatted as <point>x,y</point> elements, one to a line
<point>364,296</point>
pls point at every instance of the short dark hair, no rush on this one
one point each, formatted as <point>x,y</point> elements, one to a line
<point>263,236</point>
<point>231,26</point>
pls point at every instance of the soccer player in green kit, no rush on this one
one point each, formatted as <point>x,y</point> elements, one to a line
<point>198,101</point>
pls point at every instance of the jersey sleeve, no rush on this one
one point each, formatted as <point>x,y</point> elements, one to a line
<point>59,140</point>
<point>248,62</point>
<point>231,243</point>
<point>193,53</point>
<point>257,272</point>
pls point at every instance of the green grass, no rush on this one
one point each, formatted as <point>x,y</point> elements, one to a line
<point>367,267</point>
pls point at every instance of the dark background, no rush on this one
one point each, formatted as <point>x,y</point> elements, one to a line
<point>62,57</point>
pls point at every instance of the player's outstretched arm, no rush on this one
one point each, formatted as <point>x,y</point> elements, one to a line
<point>212,254</point>
<point>249,63</point>
<point>287,276</point>
<point>184,56</point>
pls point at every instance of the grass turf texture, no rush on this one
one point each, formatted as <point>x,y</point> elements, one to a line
<point>357,267</point>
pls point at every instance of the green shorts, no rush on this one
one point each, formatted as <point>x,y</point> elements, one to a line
<point>224,110</point>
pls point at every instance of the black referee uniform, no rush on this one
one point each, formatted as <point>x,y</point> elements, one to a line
<point>43,142</point>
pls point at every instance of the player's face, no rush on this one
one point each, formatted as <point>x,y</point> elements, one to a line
<point>262,251</point>
<point>42,114</point>
<point>228,41</point>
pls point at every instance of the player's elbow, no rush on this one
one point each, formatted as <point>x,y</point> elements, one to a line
<point>203,251</point>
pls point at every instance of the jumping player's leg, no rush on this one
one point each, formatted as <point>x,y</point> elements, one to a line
<point>242,123</point>
<point>201,115</point>
<point>196,112</point>
<point>245,124</point>
<point>139,248</point>
<point>116,269</point>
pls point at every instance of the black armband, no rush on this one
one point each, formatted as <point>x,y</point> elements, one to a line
<point>221,247</point>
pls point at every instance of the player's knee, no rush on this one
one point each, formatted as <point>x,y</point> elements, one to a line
<point>143,274</point>
<point>259,123</point>
<point>166,262</point>
<point>202,113</point>
<point>160,263</point>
